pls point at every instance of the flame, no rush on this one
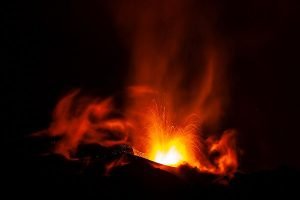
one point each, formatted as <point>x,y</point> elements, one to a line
<point>171,157</point>
<point>227,160</point>
<point>171,93</point>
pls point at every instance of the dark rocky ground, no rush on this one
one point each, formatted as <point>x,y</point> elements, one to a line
<point>42,176</point>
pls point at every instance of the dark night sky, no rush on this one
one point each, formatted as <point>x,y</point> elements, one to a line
<point>58,45</point>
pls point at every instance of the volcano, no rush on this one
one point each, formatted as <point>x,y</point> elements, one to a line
<point>151,99</point>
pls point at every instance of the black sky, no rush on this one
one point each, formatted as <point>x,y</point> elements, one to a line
<point>58,45</point>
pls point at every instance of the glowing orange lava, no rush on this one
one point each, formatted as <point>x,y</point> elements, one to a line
<point>171,157</point>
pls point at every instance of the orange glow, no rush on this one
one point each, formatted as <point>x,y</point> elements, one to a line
<point>166,143</point>
<point>170,96</point>
<point>170,157</point>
